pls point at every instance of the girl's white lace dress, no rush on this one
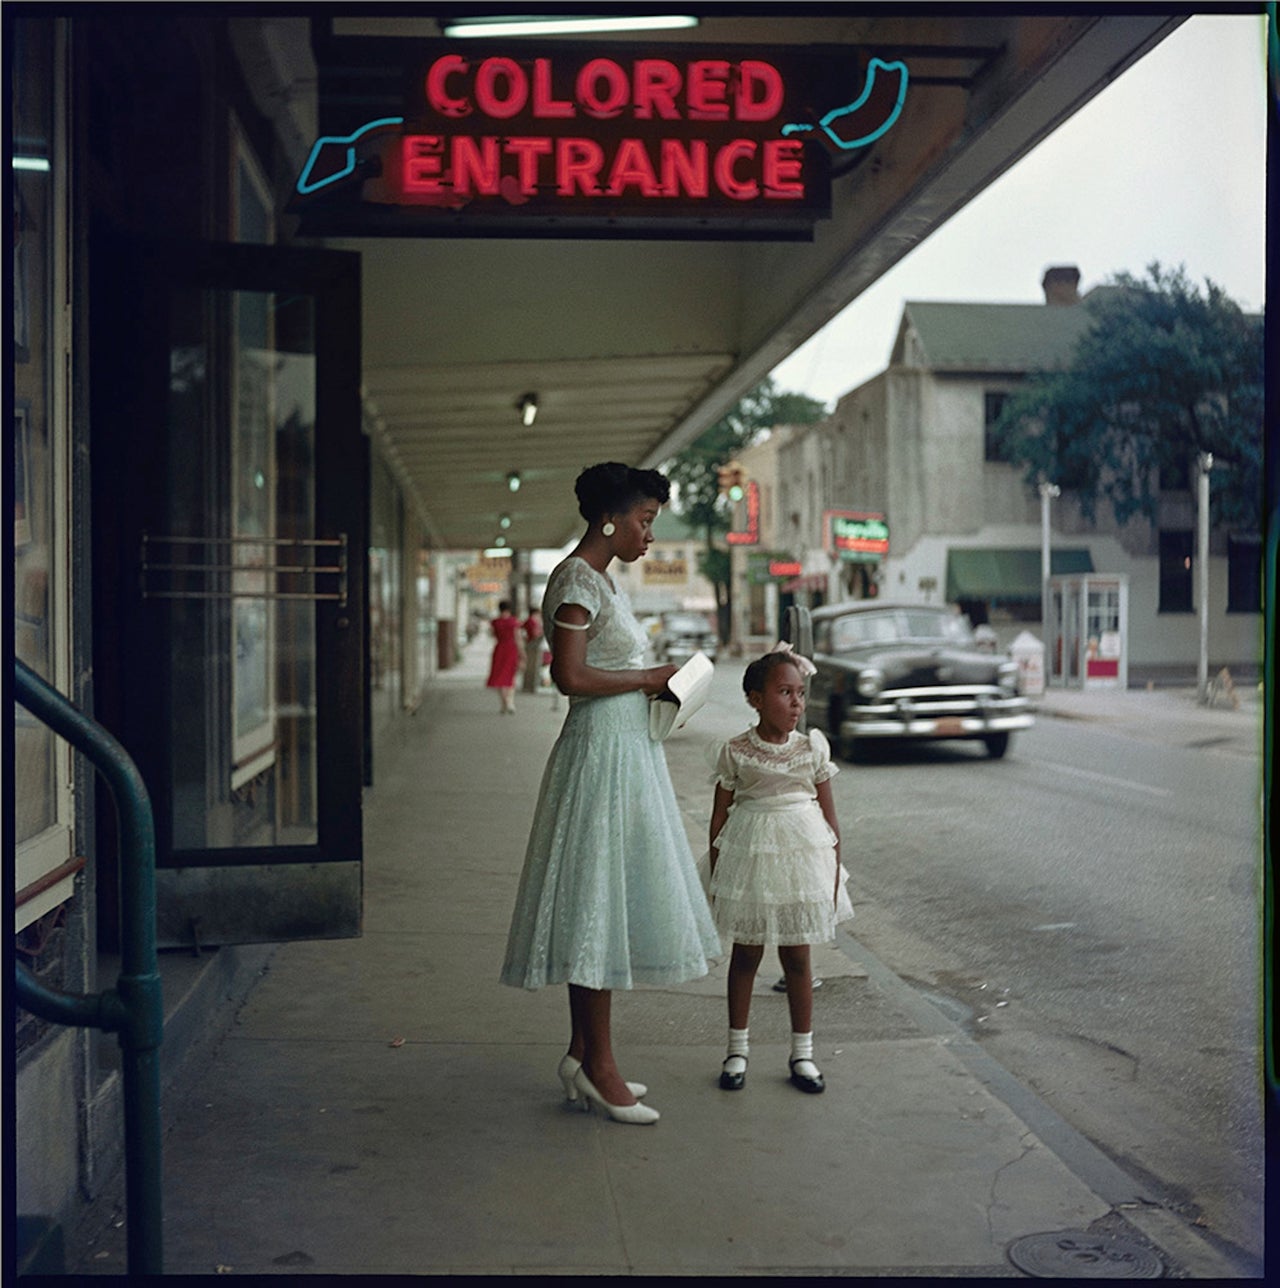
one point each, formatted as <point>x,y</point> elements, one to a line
<point>609,896</point>
<point>775,876</point>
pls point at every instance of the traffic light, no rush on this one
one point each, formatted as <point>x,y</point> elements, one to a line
<point>733,481</point>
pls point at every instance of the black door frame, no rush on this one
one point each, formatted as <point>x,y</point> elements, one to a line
<point>133,283</point>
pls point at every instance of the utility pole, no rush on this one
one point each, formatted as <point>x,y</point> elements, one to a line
<point>1204,465</point>
<point>1047,492</point>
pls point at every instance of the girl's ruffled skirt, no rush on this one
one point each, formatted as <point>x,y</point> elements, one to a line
<point>775,876</point>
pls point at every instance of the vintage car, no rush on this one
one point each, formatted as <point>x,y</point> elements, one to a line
<point>683,634</point>
<point>909,671</point>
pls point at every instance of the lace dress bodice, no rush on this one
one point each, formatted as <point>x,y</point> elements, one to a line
<point>773,774</point>
<point>615,640</point>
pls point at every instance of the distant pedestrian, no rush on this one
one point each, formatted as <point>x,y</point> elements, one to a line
<point>506,657</point>
<point>609,896</point>
<point>533,646</point>
<point>773,868</point>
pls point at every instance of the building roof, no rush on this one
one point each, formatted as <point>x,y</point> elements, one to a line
<point>669,526</point>
<point>991,337</point>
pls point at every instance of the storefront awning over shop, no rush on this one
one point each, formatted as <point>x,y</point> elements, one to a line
<point>1008,575</point>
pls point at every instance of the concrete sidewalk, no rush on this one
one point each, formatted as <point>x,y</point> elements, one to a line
<point>384,1106</point>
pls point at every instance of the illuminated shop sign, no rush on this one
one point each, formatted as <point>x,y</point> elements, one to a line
<point>556,138</point>
<point>856,537</point>
<point>764,566</point>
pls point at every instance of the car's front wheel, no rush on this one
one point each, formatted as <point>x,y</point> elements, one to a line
<point>997,744</point>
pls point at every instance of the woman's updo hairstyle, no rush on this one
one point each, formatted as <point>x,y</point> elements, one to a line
<point>612,488</point>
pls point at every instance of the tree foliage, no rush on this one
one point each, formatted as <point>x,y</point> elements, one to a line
<point>695,471</point>
<point>1163,372</point>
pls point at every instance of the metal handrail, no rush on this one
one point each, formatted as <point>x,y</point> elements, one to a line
<point>134,1008</point>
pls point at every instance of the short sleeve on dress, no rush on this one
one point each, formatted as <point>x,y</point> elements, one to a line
<point>824,767</point>
<point>724,770</point>
<point>576,585</point>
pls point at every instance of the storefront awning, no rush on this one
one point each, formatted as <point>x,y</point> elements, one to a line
<point>1007,575</point>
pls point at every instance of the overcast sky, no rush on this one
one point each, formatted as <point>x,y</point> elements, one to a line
<point>1166,164</point>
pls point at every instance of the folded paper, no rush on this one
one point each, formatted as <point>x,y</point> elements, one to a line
<point>686,691</point>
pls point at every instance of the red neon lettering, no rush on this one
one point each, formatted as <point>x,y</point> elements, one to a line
<point>477,166</point>
<point>631,168</point>
<point>780,168</point>
<point>657,82</point>
<point>726,180</point>
<point>545,106</point>
<point>578,163</point>
<point>684,168</point>
<point>617,89</point>
<point>488,76</point>
<point>527,152</point>
<point>767,80</point>
<point>437,92</point>
<point>708,91</point>
<point>421,163</point>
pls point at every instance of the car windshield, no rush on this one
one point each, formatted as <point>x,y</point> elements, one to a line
<point>893,626</point>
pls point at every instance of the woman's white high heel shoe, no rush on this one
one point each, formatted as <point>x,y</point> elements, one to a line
<point>640,1114</point>
<point>569,1066</point>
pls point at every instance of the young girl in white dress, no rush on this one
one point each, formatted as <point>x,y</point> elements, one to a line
<point>775,878</point>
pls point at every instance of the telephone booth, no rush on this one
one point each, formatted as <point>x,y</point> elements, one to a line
<point>1088,631</point>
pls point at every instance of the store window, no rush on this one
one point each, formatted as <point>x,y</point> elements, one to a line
<point>993,405</point>
<point>1175,571</point>
<point>44,865</point>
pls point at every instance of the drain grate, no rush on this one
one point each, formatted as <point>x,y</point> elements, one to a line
<point>1077,1254</point>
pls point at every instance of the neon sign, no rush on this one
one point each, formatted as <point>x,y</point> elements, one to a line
<point>856,537</point>
<point>571,136</point>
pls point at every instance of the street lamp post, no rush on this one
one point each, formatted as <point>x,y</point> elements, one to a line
<point>1205,464</point>
<point>1047,492</point>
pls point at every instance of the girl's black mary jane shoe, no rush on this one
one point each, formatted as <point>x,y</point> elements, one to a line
<point>811,1085</point>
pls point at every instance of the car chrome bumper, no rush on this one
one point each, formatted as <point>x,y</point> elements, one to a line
<point>942,718</point>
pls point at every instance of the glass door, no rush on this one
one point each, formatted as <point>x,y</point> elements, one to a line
<point>243,647</point>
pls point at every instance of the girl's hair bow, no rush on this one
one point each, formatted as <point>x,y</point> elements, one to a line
<point>802,663</point>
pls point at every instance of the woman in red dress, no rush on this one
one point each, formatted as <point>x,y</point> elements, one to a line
<point>506,657</point>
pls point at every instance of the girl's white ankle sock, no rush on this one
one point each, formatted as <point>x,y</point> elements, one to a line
<point>802,1055</point>
<point>739,1049</point>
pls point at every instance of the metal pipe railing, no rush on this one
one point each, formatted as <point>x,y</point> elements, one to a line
<point>134,1009</point>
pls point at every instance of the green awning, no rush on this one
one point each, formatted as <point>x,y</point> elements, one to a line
<point>1000,574</point>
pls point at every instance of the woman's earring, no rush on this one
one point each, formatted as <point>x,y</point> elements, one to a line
<point>608,529</point>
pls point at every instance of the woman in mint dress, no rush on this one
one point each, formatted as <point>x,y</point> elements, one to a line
<point>609,896</point>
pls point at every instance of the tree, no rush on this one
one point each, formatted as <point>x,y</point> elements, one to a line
<point>1162,373</point>
<point>694,471</point>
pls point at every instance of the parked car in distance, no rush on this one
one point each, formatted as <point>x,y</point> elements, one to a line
<point>909,671</point>
<point>681,635</point>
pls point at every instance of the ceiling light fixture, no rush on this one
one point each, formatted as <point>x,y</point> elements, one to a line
<point>497,552</point>
<point>527,406</point>
<point>504,521</point>
<point>513,480</point>
<point>472,28</point>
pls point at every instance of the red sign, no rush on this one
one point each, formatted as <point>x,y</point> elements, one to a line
<point>622,132</point>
